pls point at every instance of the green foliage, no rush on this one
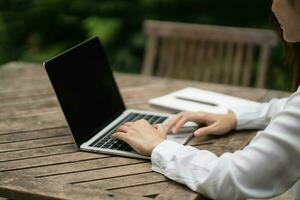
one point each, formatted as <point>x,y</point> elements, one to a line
<point>106,29</point>
<point>35,30</point>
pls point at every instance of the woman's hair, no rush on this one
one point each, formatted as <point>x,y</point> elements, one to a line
<point>292,1</point>
<point>292,50</point>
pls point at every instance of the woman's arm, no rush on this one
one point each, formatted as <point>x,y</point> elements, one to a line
<point>243,117</point>
<point>257,117</point>
<point>265,168</point>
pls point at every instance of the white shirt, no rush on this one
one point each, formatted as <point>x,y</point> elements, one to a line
<point>267,167</point>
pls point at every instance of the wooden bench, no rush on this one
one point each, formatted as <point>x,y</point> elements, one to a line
<point>219,54</point>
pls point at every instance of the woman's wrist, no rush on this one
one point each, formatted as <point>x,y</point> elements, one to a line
<point>233,119</point>
<point>156,143</point>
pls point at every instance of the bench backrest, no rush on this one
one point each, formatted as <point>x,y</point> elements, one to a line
<point>208,53</point>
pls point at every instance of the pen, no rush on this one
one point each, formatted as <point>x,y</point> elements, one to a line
<point>197,101</point>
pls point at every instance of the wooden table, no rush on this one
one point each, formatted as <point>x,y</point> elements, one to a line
<point>38,159</point>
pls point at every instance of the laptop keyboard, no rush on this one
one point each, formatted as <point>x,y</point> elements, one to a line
<point>106,142</point>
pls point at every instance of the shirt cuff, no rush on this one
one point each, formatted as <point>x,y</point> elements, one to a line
<point>250,116</point>
<point>239,114</point>
<point>163,153</point>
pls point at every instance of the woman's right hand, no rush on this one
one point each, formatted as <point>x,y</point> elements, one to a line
<point>215,124</point>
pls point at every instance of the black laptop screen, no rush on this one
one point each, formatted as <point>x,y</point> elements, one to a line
<point>85,88</point>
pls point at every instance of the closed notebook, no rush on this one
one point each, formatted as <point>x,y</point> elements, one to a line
<point>194,99</point>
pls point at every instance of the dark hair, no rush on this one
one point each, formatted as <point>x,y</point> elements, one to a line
<point>292,50</point>
<point>292,1</point>
<point>293,58</point>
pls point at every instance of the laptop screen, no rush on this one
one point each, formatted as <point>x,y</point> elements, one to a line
<point>86,89</point>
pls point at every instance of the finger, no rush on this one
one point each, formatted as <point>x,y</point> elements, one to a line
<point>145,121</point>
<point>173,121</point>
<point>198,117</point>
<point>126,138</point>
<point>140,124</point>
<point>156,125</point>
<point>208,130</point>
<point>128,123</point>
<point>121,136</point>
<point>142,121</point>
<point>160,127</point>
<point>180,123</point>
<point>122,128</point>
<point>175,118</point>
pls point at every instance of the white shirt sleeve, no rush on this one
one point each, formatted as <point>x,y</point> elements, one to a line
<point>257,116</point>
<point>268,166</point>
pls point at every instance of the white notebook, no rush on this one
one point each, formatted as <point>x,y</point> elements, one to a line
<point>194,99</point>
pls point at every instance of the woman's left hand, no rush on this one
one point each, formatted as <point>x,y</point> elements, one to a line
<point>141,136</point>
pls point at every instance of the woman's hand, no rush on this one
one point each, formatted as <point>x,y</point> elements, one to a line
<point>215,124</point>
<point>141,136</point>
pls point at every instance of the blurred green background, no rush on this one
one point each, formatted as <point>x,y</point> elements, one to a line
<point>35,30</point>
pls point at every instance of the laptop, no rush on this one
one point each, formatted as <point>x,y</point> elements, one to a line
<point>91,102</point>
